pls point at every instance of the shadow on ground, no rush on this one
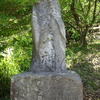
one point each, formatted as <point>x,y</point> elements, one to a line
<point>86,62</point>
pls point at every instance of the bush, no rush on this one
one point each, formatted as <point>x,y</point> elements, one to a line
<point>14,59</point>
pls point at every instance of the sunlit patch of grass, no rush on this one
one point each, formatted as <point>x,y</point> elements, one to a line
<point>86,62</point>
<point>14,59</point>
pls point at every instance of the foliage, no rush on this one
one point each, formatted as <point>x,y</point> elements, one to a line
<point>15,40</point>
<point>79,15</point>
<point>86,62</point>
<point>14,59</point>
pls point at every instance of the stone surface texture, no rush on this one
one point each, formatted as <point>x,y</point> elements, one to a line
<point>48,38</point>
<point>46,86</point>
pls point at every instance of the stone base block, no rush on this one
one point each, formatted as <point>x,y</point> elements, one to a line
<point>46,86</point>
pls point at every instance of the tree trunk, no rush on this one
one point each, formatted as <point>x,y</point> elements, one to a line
<point>83,41</point>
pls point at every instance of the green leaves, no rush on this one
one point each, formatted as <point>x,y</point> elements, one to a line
<point>15,40</point>
<point>78,16</point>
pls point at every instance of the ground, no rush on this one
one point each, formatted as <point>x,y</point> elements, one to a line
<point>86,62</point>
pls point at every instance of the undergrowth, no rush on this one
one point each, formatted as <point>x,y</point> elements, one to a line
<point>15,55</point>
<point>86,62</point>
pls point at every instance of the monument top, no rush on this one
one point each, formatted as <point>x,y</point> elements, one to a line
<point>48,38</point>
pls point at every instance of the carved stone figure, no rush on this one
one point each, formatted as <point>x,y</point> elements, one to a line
<point>48,38</point>
<point>48,67</point>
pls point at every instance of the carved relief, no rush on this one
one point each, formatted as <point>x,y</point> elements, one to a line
<point>48,38</point>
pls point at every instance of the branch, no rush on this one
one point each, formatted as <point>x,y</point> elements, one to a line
<point>94,12</point>
<point>69,17</point>
<point>76,17</point>
<point>71,25</point>
<point>89,8</point>
<point>81,6</point>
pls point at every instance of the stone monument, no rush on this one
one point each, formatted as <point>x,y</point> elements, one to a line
<point>47,78</point>
<point>48,38</point>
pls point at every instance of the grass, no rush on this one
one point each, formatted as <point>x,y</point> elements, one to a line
<point>86,62</point>
<point>15,55</point>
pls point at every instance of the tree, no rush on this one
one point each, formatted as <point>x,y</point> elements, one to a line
<point>79,16</point>
<point>15,40</point>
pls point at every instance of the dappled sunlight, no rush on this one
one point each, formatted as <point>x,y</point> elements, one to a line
<point>86,62</point>
<point>14,58</point>
<point>7,53</point>
<point>16,42</point>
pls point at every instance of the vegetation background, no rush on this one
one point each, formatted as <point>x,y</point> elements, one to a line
<point>82,51</point>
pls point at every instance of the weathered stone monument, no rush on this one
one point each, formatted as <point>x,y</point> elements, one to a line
<point>48,38</point>
<point>47,78</point>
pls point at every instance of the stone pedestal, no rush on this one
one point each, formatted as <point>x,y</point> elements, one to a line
<point>46,86</point>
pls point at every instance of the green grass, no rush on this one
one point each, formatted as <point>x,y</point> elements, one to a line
<point>15,55</point>
<point>86,62</point>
